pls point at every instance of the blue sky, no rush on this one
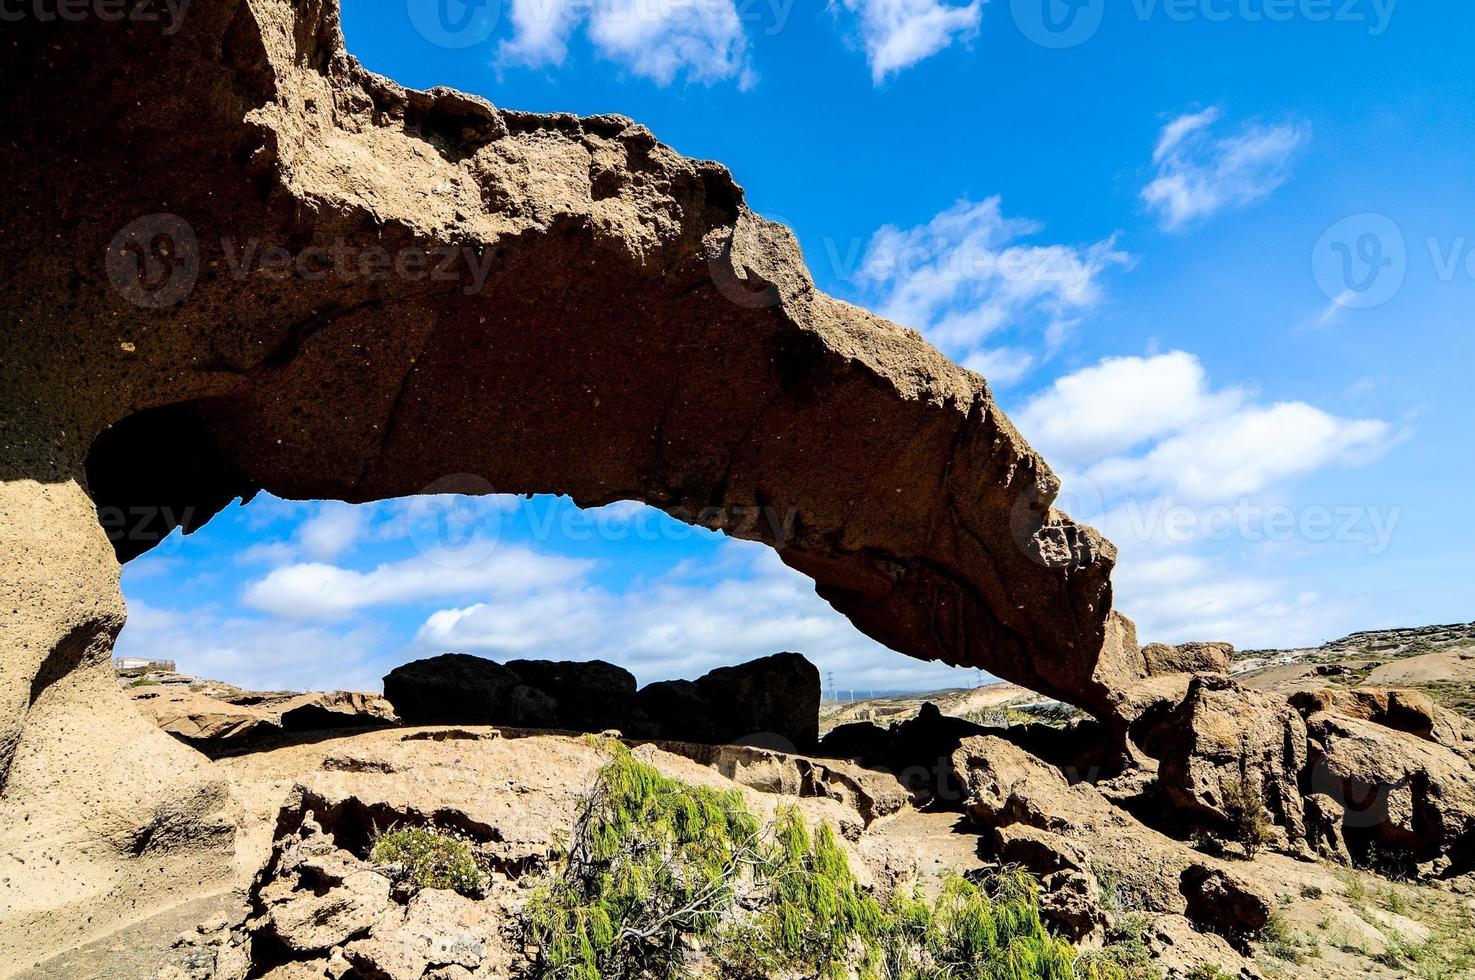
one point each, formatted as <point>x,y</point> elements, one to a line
<point>1217,258</point>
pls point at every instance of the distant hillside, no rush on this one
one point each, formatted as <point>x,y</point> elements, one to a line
<point>1438,660</point>
<point>993,704</point>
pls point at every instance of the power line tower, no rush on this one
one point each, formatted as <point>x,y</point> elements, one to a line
<point>830,683</point>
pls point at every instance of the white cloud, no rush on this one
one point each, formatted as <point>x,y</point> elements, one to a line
<point>1200,174</point>
<point>655,39</point>
<point>1194,484</point>
<point>1191,441</point>
<point>333,530</point>
<point>1181,598</point>
<point>257,654</point>
<point>1120,403</point>
<point>899,33</point>
<point>968,274</point>
<point>1246,451</point>
<point>319,591</point>
<point>694,618</point>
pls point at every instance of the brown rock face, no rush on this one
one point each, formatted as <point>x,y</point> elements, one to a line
<point>1054,828</point>
<point>1188,658</point>
<point>1222,733</point>
<point>1404,711</point>
<point>1413,799</point>
<point>239,262</point>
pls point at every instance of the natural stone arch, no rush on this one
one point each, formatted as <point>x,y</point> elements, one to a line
<point>638,334</point>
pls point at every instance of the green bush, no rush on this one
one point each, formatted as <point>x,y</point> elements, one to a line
<point>1280,939</point>
<point>1249,821</point>
<point>656,869</point>
<point>430,859</point>
<point>650,862</point>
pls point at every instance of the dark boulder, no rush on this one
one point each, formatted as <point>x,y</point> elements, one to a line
<point>453,689</point>
<point>778,695</point>
<point>589,696</point>
<point>773,702</point>
<point>456,689</point>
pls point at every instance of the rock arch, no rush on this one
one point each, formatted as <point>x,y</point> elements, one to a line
<point>243,262</point>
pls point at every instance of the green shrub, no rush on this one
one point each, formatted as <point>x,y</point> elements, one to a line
<point>1280,939</point>
<point>1206,971</point>
<point>651,861</point>
<point>656,868</point>
<point>972,931</point>
<point>430,859</point>
<point>1249,821</point>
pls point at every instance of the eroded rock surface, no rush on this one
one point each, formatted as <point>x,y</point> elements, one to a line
<point>241,262</point>
<point>1222,738</point>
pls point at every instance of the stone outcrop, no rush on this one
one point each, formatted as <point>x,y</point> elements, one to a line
<point>919,750</point>
<point>1222,735</point>
<point>1226,901</point>
<point>239,262</point>
<point>775,699</point>
<point>1324,834</point>
<point>1187,658</point>
<point>1412,799</point>
<point>772,702</point>
<point>1008,790</point>
<point>1404,711</point>
<point>321,903</point>
<point>334,710</point>
<point>200,716</point>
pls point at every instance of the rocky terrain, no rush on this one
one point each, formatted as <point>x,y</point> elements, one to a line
<point>622,327</point>
<point>1436,660</point>
<point>997,703</point>
<point>1353,859</point>
<point>194,708</point>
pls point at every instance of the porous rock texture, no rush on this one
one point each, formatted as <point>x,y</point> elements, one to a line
<point>237,261</point>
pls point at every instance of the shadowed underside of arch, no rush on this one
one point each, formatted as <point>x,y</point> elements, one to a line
<point>243,262</point>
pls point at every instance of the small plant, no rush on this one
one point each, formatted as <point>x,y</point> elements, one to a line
<point>145,682</point>
<point>1205,971</point>
<point>1312,892</point>
<point>1248,819</point>
<point>430,859</point>
<point>1125,954</point>
<point>1280,940</point>
<point>1356,888</point>
<point>1394,901</point>
<point>651,860</point>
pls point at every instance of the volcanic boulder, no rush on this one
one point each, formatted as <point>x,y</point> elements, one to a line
<point>457,689</point>
<point>773,702</point>
<point>1188,658</point>
<point>1222,734</point>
